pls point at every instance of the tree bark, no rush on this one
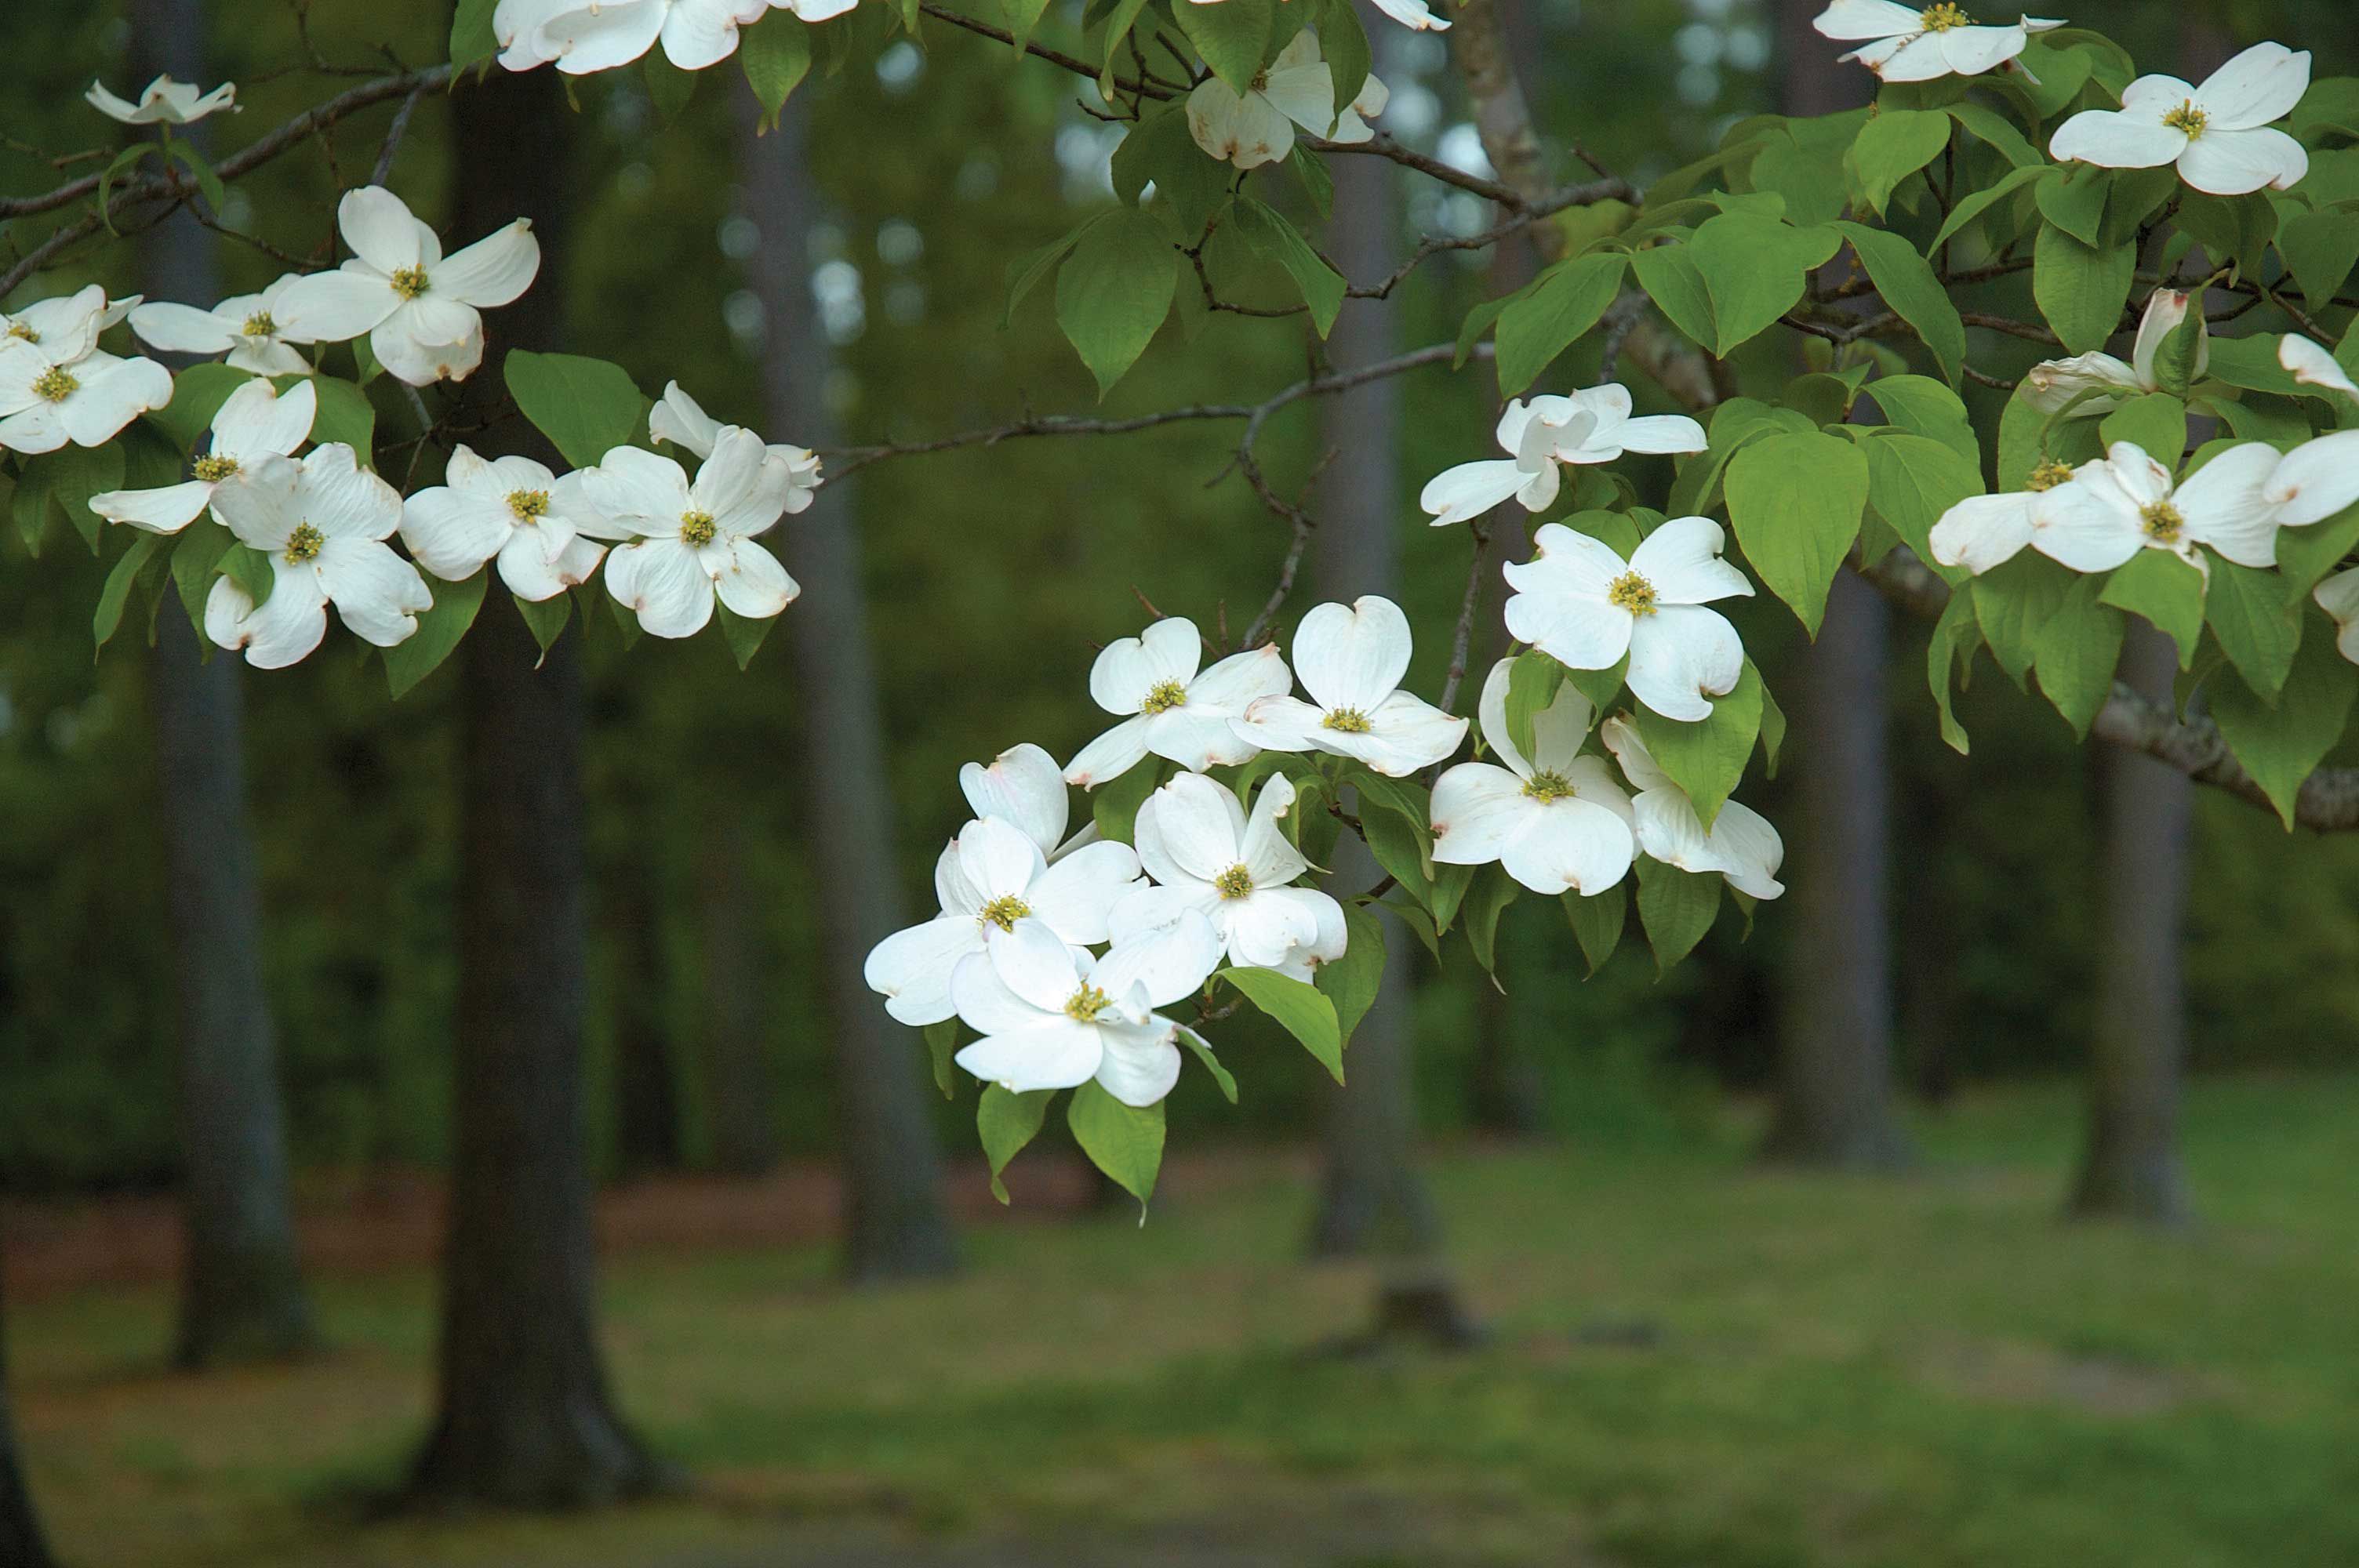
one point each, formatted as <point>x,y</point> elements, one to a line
<point>740,1109</point>
<point>22,1542</point>
<point>241,1291</point>
<point>646,1081</point>
<point>1372,1197</point>
<point>897,1226</point>
<point>525,1415</point>
<point>2131,1166</point>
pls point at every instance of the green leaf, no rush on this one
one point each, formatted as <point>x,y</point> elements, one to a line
<point>745,633</point>
<point>1486,899</point>
<point>1795,502</point>
<point>1542,322</point>
<point>2258,629</point>
<point>2282,744</point>
<point>546,617</point>
<point>1317,183</point>
<point>2319,250</point>
<point>1597,922</point>
<point>2156,424</point>
<point>2250,363</point>
<point>196,560</point>
<point>1707,758</point>
<point>1343,44</point>
<point>1117,28</point>
<point>1907,282</point>
<point>1773,723</point>
<point>2075,650</point>
<point>1974,203</point>
<point>1037,265</point>
<point>1221,1076</point>
<point>1952,647</point>
<point>123,161</point>
<point>2165,589</point>
<point>1303,1010</point>
<point>251,571</point>
<point>776,55</point>
<point>440,629</point>
<point>1533,681</point>
<point>198,394</point>
<point>2307,555</point>
<point>668,89</point>
<point>472,40</point>
<point>1911,481</point>
<point>1671,279</point>
<point>942,1045</point>
<point>1007,1122</point>
<point>2072,197</point>
<point>146,552</point>
<point>1114,805</point>
<point>2080,290</point>
<point>1234,37</point>
<point>1125,1142</point>
<point>1893,145</point>
<point>1352,981</point>
<point>1115,290</point>
<point>2012,601</point>
<point>67,478</point>
<point>1996,130</point>
<point>1754,270</point>
<point>345,415</point>
<point>1321,286</point>
<point>586,408</point>
<point>1675,907</point>
<point>1160,150</point>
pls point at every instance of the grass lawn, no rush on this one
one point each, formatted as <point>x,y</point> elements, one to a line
<point>1692,1364</point>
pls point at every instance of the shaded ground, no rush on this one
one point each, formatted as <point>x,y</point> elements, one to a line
<point>1692,1364</point>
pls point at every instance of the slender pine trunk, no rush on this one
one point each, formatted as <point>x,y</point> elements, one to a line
<point>897,1226</point>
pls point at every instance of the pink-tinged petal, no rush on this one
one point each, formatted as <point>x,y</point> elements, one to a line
<point>2117,139</point>
<point>1476,809</point>
<point>911,969</point>
<point>1569,845</point>
<point>2254,88</point>
<point>1109,756</point>
<point>1681,656</point>
<point>2233,163</point>
<point>2316,479</point>
<point>1352,656</point>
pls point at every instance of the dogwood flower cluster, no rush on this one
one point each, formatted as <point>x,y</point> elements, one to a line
<point>56,385</point>
<point>2219,134</point>
<point>1257,127</point>
<point>1589,427</point>
<point>1910,43</point>
<point>583,36</point>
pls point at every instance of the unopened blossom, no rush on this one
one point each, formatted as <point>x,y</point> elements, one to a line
<point>1982,531</point>
<point>1051,1017</point>
<point>679,419</point>
<point>1577,601</point>
<point>323,523</point>
<point>255,422</point>
<point>1208,858</point>
<point>1918,43</point>
<point>1351,659</point>
<point>422,311</point>
<point>163,102</point>
<point>1740,845</point>
<point>1592,425</point>
<point>1169,709</point>
<point>2339,597</point>
<point>1556,820</point>
<point>247,325</point>
<point>2051,385</point>
<point>2125,501</point>
<point>1024,785</point>
<point>2219,134</point>
<point>690,543</point>
<point>67,326</point>
<point>1298,88</point>
<point>2313,481</point>
<point>47,401</point>
<point>508,509</point>
<point>991,879</point>
<point>2312,366</point>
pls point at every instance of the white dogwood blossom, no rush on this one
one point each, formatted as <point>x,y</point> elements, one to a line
<point>1982,531</point>
<point>1741,845</point>
<point>1913,43</point>
<point>585,35</point>
<point>1052,1017</point>
<point>1208,858</point>
<point>1592,425</point>
<point>246,325</point>
<point>1024,785</point>
<point>1169,709</point>
<point>56,385</point>
<point>991,879</point>
<point>1556,820</point>
<point>1257,127</point>
<point>2125,501</point>
<point>2219,134</point>
<point>2051,385</point>
<point>511,509</point>
<point>323,523</point>
<point>421,311</point>
<point>679,419</point>
<point>67,326</point>
<point>163,102</point>
<point>1351,658</point>
<point>690,543</point>
<point>255,421</point>
<point>1577,601</point>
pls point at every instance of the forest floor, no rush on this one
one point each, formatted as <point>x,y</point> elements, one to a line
<point>1690,1362</point>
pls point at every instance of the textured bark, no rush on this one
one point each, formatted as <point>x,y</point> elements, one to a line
<point>896,1224</point>
<point>2130,1166</point>
<point>524,1416</point>
<point>740,1106</point>
<point>241,1291</point>
<point>22,1542</point>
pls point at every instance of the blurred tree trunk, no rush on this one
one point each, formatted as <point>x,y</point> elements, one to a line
<point>1834,1097</point>
<point>646,1081</point>
<point>241,1291</point>
<point>739,1105</point>
<point>524,1416</point>
<point>1372,1199</point>
<point>22,1544</point>
<point>1932,989</point>
<point>897,1226</point>
<point>2130,1166</point>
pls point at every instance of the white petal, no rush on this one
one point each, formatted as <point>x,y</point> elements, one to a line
<point>529,573</point>
<point>1970,51</point>
<point>2311,365</point>
<point>452,533</point>
<point>1266,928</point>
<point>1024,785</point>
<point>1075,896</point>
<point>2257,86</point>
<point>1109,756</point>
<point>1129,668</point>
<point>1638,764</point>
<point>2316,479</point>
<point>662,580</point>
<point>333,307</point>
<point>2117,139</point>
<point>2232,163</point>
<point>495,269</point>
<point>258,420</point>
<point>754,584</point>
<point>1141,1064</point>
<point>1054,1054</point>
<point>998,859</point>
<point>111,397</point>
<point>2226,505</point>
<point>342,498</point>
<point>1576,630</point>
<point>702,33</point>
<point>1412,13</point>
<point>182,328</point>
<point>1681,561</point>
<point>1200,827</point>
<point>1670,831</point>
<point>1409,734</point>
<point>1681,658</point>
<point>376,593</point>
<point>1468,490</point>
<point>163,511</point>
<point>1269,857</point>
<point>383,232</point>
<point>638,491</point>
<point>1035,966</point>
<point>1352,656</point>
<point>1477,808</point>
<point>1851,20</point>
<point>682,420</point>
<point>1749,850</point>
<point>599,37</point>
<point>1304,93</point>
<point>1167,963</point>
<point>2079,526</point>
<point>2339,597</point>
<point>1662,433</point>
<point>1982,531</point>
<point>430,340</point>
<point>1197,740</point>
<point>1280,724</point>
<point>1247,131</point>
<point>1237,682</point>
<point>1569,843</point>
<point>287,627</point>
<point>911,969</point>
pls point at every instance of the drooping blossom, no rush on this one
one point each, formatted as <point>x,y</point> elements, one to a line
<point>2051,385</point>
<point>1741,845</point>
<point>1257,127</point>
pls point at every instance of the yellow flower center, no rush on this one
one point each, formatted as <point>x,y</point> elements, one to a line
<point>2161,522</point>
<point>2047,474</point>
<point>696,529</point>
<point>1084,1005</point>
<point>1941,18</point>
<point>1632,593</point>
<point>2187,117</point>
<point>303,544</point>
<point>57,384</point>
<point>1545,786</point>
<point>212,470</point>
<point>18,330</point>
<point>1234,883</point>
<point>409,282</point>
<point>1345,720</point>
<point>1163,696</point>
<point>527,504</point>
<point>1005,911</point>
<point>259,325</point>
